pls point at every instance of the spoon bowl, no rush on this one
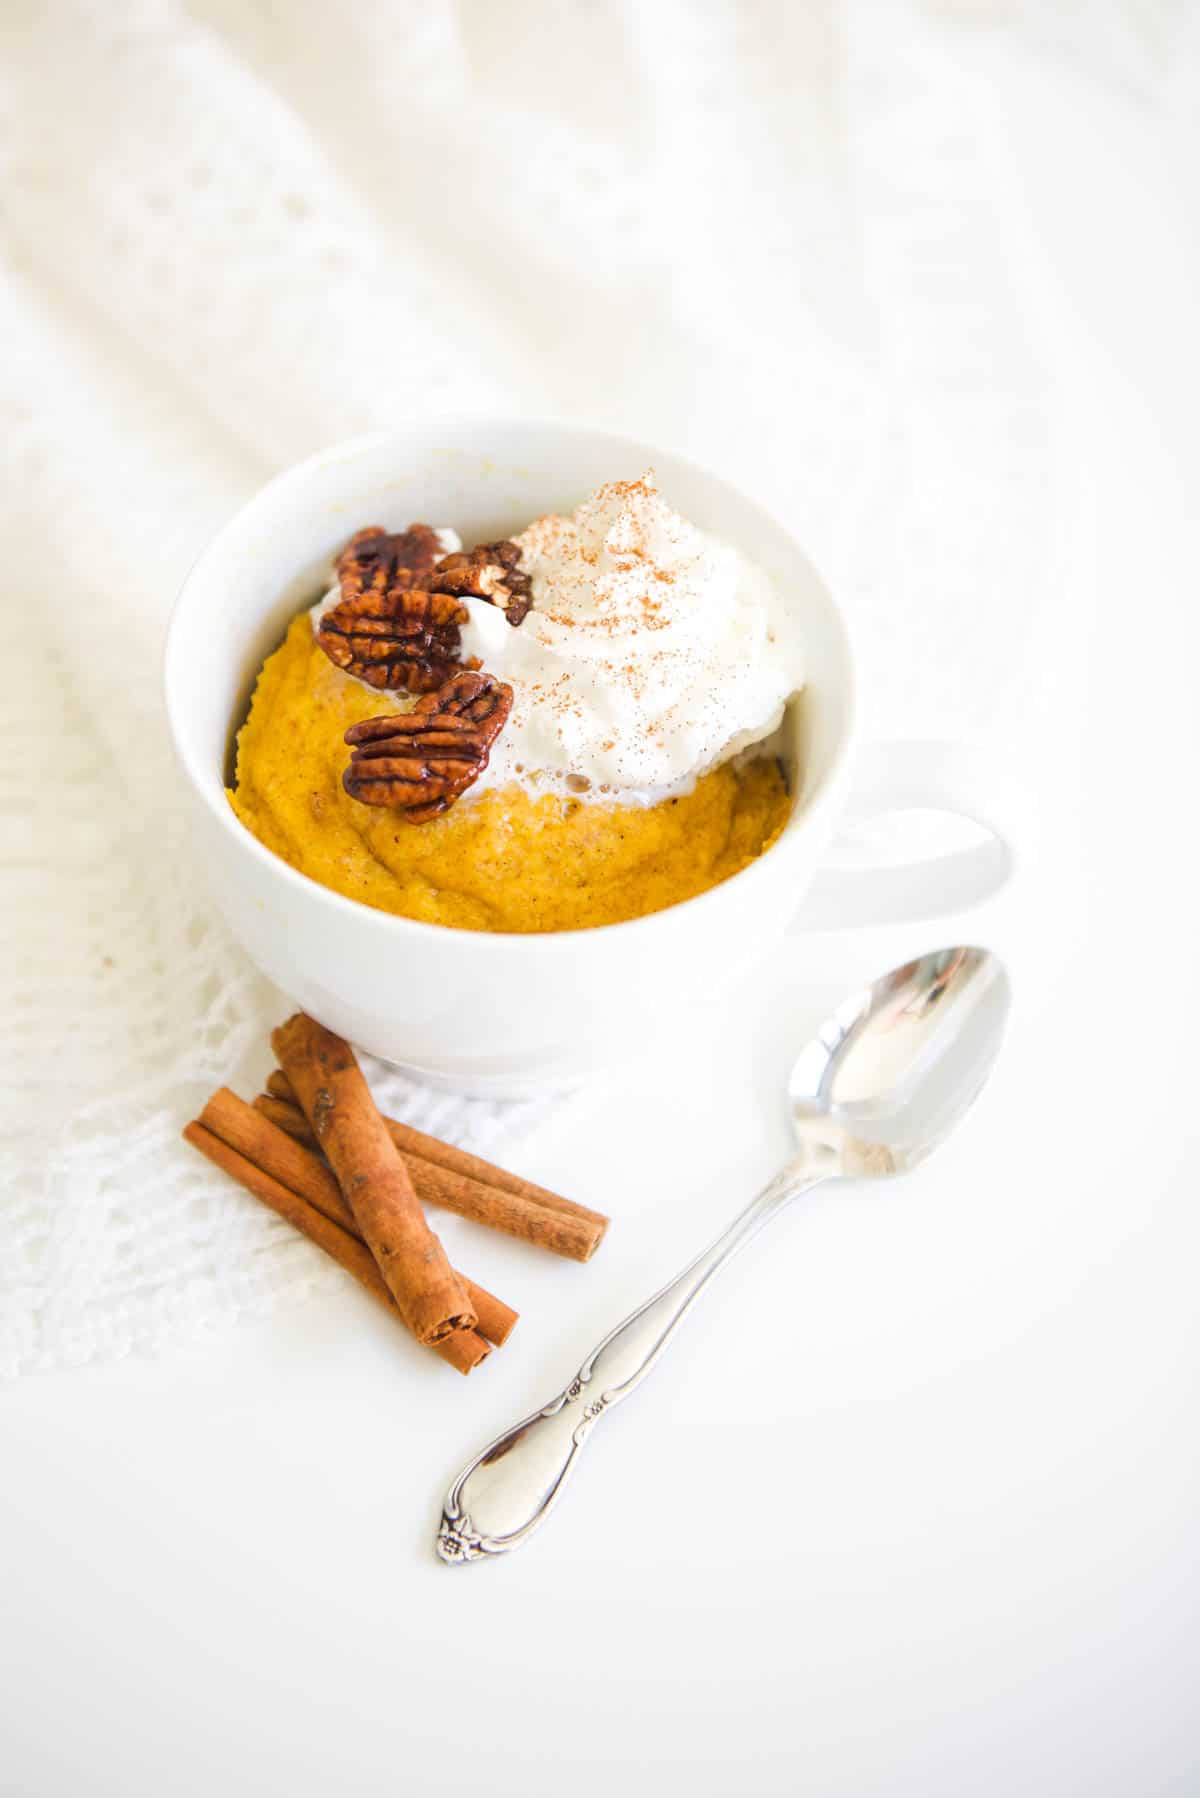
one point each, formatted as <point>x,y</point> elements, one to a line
<point>885,1080</point>
<point>891,1072</point>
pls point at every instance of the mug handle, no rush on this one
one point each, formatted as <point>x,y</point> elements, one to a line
<point>920,776</point>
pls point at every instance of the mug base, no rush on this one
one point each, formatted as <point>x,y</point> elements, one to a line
<point>515,1087</point>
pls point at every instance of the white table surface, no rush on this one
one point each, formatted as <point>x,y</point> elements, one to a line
<point>911,1508</point>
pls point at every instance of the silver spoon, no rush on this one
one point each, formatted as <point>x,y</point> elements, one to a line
<point>883,1082</point>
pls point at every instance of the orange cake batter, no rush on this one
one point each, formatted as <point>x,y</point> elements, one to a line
<point>500,859</point>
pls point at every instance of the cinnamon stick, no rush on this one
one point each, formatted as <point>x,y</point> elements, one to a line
<point>464,1350</point>
<point>252,1135</point>
<point>468,1185</point>
<point>286,1116</point>
<point>374,1180</point>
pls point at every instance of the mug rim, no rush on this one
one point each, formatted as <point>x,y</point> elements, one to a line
<point>531,942</point>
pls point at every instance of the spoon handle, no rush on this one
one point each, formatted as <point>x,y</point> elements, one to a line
<point>498,1501</point>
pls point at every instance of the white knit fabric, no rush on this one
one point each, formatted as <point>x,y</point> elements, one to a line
<point>772,235</point>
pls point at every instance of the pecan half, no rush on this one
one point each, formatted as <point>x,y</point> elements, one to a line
<point>398,637</point>
<point>376,560</point>
<point>420,762</point>
<point>489,571</point>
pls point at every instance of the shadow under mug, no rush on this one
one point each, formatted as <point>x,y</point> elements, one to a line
<point>514,1015</point>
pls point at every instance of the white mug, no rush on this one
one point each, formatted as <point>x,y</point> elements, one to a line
<point>510,1014</point>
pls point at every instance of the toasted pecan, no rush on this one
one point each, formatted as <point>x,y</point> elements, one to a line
<point>490,571</point>
<point>401,637</point>
<point>420,762</point>
<point>387,628</point>
<point>376,560</point>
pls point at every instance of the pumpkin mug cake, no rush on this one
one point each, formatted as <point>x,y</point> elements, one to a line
<point>569,728</point>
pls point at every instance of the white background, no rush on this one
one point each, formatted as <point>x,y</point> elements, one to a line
<point>911,1506</point>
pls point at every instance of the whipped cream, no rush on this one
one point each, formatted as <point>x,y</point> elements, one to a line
<point>652,653</point>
